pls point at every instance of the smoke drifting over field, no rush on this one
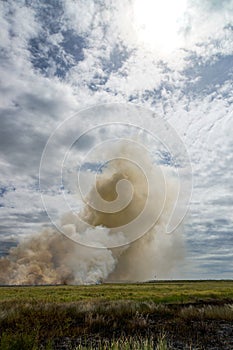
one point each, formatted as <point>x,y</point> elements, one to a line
<point>123,220</point>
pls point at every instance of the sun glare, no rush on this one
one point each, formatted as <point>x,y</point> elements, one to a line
<point>158,23</point>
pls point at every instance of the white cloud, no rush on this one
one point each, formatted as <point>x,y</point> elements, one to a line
<point>85,53</point>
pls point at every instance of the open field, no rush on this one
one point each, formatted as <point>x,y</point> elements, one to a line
<point>177,291</point>
<point>160,315</point>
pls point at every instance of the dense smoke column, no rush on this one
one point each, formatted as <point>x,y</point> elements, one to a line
<point>131,202</point>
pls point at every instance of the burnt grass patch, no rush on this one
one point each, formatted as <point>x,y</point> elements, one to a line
<point>37,325</point>
<point>162,316</point>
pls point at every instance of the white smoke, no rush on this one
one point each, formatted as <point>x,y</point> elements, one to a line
<point>117,250</point>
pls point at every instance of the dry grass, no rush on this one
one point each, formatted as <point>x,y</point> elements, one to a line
<point>209,312</point>
<point>25,342</point>
<point>135,322</point>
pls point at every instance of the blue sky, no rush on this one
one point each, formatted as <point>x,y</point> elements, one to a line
<point>59,57</point>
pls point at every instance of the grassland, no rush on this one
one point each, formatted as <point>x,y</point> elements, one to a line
<point>161,315</point>
<point>158,292</point>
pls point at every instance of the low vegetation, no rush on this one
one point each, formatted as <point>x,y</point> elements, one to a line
<point>112,316</point>
<point>163,291</point>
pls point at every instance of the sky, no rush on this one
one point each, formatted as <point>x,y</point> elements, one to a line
<point>174,58</point>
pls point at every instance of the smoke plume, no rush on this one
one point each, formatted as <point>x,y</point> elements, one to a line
<point>127,242</point>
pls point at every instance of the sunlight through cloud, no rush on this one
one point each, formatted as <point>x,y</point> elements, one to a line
<point>159,23</point>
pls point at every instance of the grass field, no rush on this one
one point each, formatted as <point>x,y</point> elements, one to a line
<point>117,316</point>
<point>177,291</point>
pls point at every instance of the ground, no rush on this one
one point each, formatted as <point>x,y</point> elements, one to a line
<point>183,314</point>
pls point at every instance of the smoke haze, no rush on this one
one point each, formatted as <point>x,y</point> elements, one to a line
<point>127,238</point>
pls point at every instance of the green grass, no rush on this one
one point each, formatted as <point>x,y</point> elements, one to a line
<point>182,291</point>
<point>131,343</point>
<point>25,342</point>
<point>117,316</point>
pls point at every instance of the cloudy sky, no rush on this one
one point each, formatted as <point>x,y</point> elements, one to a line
<point>173,57</point>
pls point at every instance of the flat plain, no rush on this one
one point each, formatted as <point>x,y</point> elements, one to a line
<point>161,291</point>
<point>153,315</point>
